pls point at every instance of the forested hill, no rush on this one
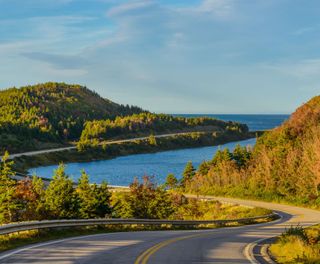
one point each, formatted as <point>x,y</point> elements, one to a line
<point>284,164</point>
<point>51,112</point>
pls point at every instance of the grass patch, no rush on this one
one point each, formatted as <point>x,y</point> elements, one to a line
<point>298,245</point>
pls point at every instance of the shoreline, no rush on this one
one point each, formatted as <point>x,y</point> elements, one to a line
<point>103,152</point>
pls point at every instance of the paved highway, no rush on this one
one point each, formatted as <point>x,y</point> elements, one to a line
<point>225,245</point>
<point>37,152</point>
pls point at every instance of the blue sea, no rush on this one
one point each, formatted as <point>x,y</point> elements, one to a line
<point>122,170</point>
<point>254,122</point>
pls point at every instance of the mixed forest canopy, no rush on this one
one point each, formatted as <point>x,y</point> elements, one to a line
<point>148,123</point>
<point>51,112</point>
<point>283,165</point>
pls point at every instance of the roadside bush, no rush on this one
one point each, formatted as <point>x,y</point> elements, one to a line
<point>298,245</point>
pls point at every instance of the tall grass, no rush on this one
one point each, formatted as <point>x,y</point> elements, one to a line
<point>298,245</point>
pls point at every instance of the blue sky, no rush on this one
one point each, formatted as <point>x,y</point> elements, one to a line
<point>172,56</point>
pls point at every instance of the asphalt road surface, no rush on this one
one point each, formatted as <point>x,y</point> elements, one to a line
<point>37,152</point>
<point>224,245</point>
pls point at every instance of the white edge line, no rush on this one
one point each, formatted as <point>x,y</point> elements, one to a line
<point>96,235</point>
<point>46,244</point>
<point>248,250</point>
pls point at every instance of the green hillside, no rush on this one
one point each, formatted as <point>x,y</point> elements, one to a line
<point>148,123</point>
<point>36,116</point>
<point>284,164</point>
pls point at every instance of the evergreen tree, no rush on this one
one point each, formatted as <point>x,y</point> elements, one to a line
<point>241,155</point>
<point>204,168</point>
<point>188,174</point>
<point>8,204</point>
<point>94,199</point>
<point>60,197</point>
<point>86,197</point>
<point>145,200</point>
<point>38,188</point>
<point>102,196</point>
<point>171,181</point>
<point>222,155</point>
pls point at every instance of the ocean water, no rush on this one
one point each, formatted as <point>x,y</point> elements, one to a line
<point>254,122</point>
<point>122,170</point>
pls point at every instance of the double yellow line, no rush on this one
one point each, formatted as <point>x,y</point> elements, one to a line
<point>144,257</point>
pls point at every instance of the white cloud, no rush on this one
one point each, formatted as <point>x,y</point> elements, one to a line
<point>145,51</point>
<point>220,8</point>
<point>217,9</point>
<point>302,69</point>
<point>128,7</point>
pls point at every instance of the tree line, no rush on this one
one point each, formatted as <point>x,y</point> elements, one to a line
<point>61,198</point>
<point>148,123</point>
<point>31,199</point>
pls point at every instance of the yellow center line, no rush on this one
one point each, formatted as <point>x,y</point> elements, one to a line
<point>144,257</point>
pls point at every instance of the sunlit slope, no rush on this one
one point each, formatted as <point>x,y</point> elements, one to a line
<point>50,112</point>
<point>283,165</point>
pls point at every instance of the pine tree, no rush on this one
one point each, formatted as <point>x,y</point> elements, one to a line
<point>171,181</point>
<point>188,174</point>
<point>241,155</point>
<point>221,155</point>
<point>86,198</point>
<point>204,168</point>
<point>39,191</point>
<point>94,199</point>
<point>102,196</point>
<point>60,197</point>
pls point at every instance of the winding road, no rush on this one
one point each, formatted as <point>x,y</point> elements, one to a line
<point>110,142</point>
<point>224,245</point>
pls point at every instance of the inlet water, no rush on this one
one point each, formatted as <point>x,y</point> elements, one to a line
<point>122,170</point>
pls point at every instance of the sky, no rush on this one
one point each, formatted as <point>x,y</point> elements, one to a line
<point>170,56</point>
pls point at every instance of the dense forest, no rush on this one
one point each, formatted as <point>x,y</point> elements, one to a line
<point>39,115</point>
<point>283,165</point>
<point>148,123</point>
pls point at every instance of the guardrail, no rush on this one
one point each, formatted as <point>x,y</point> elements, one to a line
<point>25,226</point>
<point>18,176</point>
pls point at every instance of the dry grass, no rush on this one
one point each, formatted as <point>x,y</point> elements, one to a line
<point>298,245</point>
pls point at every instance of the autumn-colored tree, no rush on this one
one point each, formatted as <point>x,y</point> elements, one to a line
<point>145,200</point>
<point>8,205</point>
<point>26,199</point>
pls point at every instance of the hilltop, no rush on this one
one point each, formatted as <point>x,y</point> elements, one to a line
<point>50,114</point>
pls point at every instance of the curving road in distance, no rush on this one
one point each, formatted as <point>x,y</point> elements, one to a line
<point>110,142</point>
<point>224,245</point>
